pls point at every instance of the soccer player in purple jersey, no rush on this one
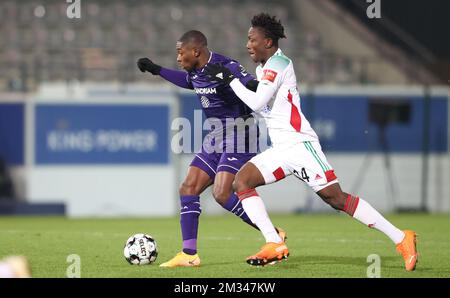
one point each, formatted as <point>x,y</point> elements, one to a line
<point>222,155</point>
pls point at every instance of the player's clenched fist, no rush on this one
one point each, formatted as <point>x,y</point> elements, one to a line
<point>145,64</point>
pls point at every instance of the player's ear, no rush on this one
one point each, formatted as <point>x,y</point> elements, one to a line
<point>196,52</point>
<point>269,43</point>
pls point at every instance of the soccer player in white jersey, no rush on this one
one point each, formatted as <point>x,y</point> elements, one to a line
<point>295,147</point>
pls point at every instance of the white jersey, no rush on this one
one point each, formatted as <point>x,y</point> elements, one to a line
<point>284,118</point>
<point>295,146</point>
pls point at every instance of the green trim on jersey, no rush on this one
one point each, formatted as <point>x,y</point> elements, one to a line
<point>278,62</point>
<point>311,149</point>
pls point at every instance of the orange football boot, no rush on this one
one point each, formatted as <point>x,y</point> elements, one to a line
<point>270,253</point>
<point>407,248</point>
<point>182,260</point>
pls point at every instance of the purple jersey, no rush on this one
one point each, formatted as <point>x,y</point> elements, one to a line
<point>219,100</point>
<point>228,145</point>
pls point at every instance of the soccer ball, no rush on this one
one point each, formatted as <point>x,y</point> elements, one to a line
<point>140,249</point>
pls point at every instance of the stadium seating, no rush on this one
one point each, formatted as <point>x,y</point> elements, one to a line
<point>39,42</point>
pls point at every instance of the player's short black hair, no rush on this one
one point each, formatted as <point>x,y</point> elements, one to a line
<point>270,25</point>
<point>195,37</point>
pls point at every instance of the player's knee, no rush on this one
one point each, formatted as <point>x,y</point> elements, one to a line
<point>221,195</point>
<point>240,183</point>
<point>189,189</point>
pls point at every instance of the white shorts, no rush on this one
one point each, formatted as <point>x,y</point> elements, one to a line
<point>305,160</point>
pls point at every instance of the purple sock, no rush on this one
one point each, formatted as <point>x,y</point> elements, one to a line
<point>234,205</point>
<point>189,213</point>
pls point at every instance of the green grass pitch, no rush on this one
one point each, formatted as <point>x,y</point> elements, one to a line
<point>330,245</point>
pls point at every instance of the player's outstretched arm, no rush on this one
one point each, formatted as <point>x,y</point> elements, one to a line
<point>176,77</point>
<point>254,100</point>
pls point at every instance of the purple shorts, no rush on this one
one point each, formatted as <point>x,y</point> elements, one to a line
<point>212,163</point>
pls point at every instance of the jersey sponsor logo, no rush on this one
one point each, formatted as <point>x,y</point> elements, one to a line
<point>231,158</point>
<point>205,90</point>
<point>204,101</point>
<point>269,75</point>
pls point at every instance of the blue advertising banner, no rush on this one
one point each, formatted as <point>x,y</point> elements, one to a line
<point>12,133</point>
<point>348,123</point>
<point>101,134</point>
<point>376,124</point>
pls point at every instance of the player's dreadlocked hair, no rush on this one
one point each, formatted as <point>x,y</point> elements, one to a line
<point>270,25</point>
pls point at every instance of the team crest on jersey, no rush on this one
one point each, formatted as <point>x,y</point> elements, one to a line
<point>269,75</point>
<point>205,101</point>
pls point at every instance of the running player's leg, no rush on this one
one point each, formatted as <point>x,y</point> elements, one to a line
<point>200,175</point>
<point>362,211</point>
<point>196,181</point>
<point>223,189</point>
<point>258,171</point>
<point>330,191</point>
<point>229,165</point>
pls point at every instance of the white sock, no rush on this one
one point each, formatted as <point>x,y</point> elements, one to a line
<point>366,214</point>
<point>256,211</point>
